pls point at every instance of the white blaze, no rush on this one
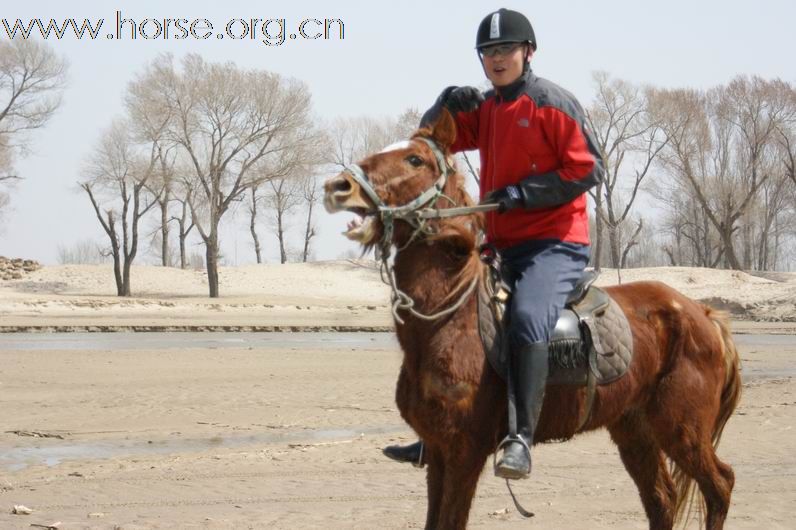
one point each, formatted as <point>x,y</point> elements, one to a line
<point>406,144</point>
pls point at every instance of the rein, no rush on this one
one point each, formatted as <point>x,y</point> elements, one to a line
<point>415,213</point>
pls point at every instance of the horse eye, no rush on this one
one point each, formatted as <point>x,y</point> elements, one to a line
<point>415,160</point>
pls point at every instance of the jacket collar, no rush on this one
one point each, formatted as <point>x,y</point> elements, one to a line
<point>512,91</point>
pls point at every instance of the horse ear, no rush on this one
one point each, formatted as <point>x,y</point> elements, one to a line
<point>444,130</point>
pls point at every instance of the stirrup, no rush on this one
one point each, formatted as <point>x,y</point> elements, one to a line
<point>511,438</point>
<point>419,463</point>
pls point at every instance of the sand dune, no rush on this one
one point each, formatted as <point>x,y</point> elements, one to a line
<point>322,294</point>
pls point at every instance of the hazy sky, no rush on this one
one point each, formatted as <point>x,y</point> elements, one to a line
<point>394,55</point>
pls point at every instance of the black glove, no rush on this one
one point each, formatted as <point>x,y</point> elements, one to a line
<point>455,99</point>
<point>506,198</point>
<point>463,99</point>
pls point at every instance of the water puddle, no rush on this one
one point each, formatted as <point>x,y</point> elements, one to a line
<point>749,375</point>
<point>53,452</point>
<point>190,339</point>
<point>752,339</point>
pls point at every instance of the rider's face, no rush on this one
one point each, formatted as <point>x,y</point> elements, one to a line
<point>504,68</point>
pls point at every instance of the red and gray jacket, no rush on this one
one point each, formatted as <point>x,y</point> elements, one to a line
<point>532,133</point>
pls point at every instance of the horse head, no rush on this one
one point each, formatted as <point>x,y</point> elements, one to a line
<point>386,190</point>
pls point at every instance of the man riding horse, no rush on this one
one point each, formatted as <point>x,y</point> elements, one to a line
<point>538,159</point>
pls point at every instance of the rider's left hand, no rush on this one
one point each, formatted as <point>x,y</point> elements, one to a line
<point>506,198</point>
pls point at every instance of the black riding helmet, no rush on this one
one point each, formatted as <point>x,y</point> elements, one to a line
<point>504,25</point>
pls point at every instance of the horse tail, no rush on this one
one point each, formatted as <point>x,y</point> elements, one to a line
<point>730,396</point>
<point>731,393</point>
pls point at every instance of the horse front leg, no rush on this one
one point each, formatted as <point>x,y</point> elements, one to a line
<point>461,479</point>
<point>435,475</point>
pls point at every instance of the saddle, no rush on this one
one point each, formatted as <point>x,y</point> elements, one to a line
<point>590,345</point>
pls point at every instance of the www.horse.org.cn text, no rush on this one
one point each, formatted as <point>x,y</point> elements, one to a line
<point>268,31</point>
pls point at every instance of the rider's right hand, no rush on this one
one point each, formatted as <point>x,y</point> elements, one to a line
<point>456,99</point>
<point>463,99</point>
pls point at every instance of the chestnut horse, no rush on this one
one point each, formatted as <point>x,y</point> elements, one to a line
<point>670,407</point>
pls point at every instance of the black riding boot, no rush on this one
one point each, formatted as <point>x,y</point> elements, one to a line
<point>531,364</point>
<point>412,453</point>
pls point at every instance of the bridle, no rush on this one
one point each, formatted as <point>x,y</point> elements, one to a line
<point>416,213</point>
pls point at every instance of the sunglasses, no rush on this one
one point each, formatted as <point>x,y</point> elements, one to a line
<point>499,49</point>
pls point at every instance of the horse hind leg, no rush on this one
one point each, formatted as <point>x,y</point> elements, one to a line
<point>646,464</point>
<point>694,455</point>
<point>684,429</point>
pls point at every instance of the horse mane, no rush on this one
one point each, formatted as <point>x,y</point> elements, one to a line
<point>472,266</point>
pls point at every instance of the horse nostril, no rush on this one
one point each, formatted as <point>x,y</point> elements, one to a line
<point>341,185</point>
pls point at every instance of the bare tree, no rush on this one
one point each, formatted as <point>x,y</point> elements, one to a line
<point>760,232</point>
<point>407,122</point>
<point>284,195</point>
<point>161,186</point>
<point>648,250</point>
<point>8,182</point>
<point>117,173</point>
<point>184,223</point>
<point>470,168</point>
<point>787,146</point>
<point>626,135</point>
<point>354,138</point>
<point>32,79</point>
<point>310,194</point>
<point>286,176</point>
<point>313,158</point>
<point>149,117</point>
<point>254,199</point>
<point>6,161</point>
<point>227,121</point>
<point>83,252</point>
<point>717,146</point>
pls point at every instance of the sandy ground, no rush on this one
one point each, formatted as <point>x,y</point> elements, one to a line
<point>340,294</point>
<point>291,438</point>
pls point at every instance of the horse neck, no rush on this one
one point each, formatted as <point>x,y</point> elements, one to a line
<point>428,274</point>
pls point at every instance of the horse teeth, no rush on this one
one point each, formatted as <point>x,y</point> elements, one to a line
<point>360,229</point>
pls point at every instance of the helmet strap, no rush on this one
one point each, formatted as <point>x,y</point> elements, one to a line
<point>526,65</point>
<point>481,60</point>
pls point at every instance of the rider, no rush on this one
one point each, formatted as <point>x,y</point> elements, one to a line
<point>538,159</point>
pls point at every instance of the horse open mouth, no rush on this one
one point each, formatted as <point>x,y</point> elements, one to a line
<point>361,228</point>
